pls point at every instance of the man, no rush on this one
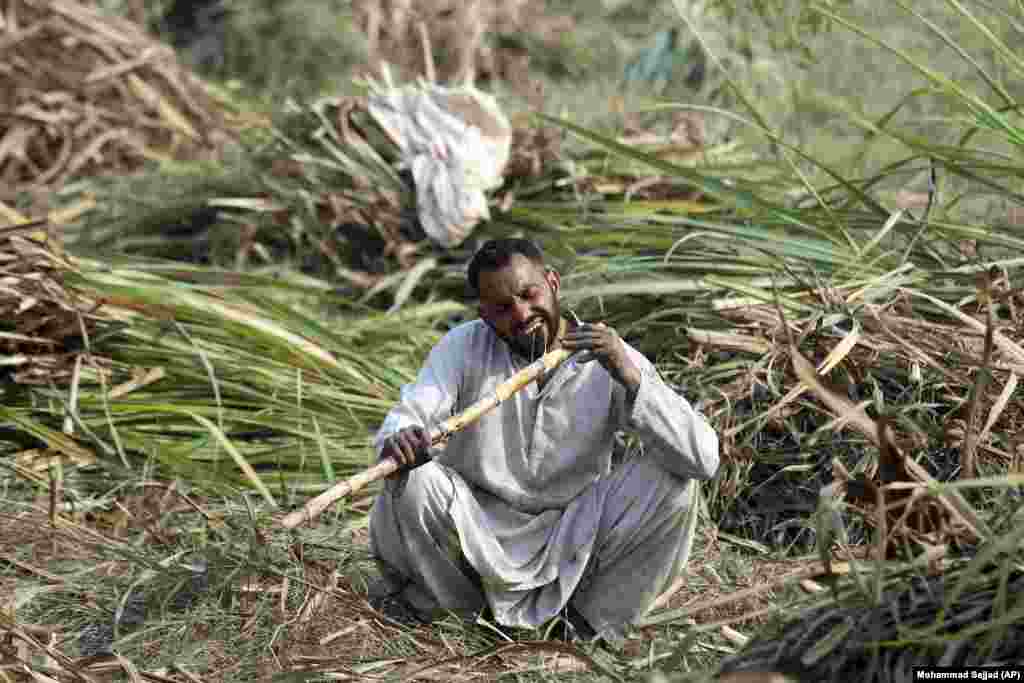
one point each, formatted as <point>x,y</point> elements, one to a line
<point>522,511</point>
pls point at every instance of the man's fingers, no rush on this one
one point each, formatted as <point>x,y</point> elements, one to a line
<point>408,444</point>
<point>390,449</point>
<point>408,449</point>
<point>422,439</point>
<point>592,348</point>
<point>590,334</point>
<point>596,341</point>
<point>420,442</point>
<point>583,340</point>
<point>588,342</point>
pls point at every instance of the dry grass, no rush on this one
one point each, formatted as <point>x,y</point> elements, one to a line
<point>45,323</point>
<point>277,604</point>
<point>86,93</point>
<point>414,35</point>
<point>283,605</point>
<point>939,610</point>
<point>941,349</point>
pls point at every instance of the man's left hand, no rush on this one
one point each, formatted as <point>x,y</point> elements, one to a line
<point>603,344</point>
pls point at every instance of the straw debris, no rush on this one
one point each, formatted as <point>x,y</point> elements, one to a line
<point>86,93</point>
<point>405,34</point>
<point>45,323</point>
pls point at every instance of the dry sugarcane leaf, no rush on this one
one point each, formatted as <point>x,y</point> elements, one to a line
<point>72,212</point>
<point>969,451</point>
<point>101,73</point>
<point>167,110</point>
<point>952,501</point>
<point>735,637</point>
<point>1009,390</point>
<point>45,319</point>
<point>1006,345</point>
<point>725,340</point>
<point>78,72</point>
<point>11,216</point>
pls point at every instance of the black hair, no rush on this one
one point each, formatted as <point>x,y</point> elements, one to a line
<point>495,254</point>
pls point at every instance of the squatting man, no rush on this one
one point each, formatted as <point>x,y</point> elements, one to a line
<point>522,512</point>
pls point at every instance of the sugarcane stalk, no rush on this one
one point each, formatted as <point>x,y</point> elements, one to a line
<point>439,434</point>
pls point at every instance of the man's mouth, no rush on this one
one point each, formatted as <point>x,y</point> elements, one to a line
<point>533,327</point>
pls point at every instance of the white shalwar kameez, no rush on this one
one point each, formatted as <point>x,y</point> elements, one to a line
<point>527,499</point>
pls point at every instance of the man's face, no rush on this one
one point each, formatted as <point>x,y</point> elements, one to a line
<point>520,303</point>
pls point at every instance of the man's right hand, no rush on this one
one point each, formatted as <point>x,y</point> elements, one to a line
<point>409,447</point>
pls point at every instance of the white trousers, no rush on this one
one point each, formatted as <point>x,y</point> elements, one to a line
<point>446,546</point>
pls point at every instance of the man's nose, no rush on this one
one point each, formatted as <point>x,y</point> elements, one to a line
<point>521,312</point>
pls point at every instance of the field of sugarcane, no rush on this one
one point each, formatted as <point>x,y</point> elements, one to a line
<point>215,280</point>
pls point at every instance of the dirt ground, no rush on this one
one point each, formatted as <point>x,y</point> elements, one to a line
<point>317,618</point>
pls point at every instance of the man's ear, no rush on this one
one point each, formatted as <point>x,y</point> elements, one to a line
<point>554,279</point>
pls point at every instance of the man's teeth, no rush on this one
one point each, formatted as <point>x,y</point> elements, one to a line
<point>533,328</point>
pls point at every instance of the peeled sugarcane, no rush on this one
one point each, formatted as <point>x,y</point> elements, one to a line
<point>502,392</point>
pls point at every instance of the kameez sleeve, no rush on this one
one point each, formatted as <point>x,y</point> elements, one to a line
<point>431,398</point>
<point>678,437</point>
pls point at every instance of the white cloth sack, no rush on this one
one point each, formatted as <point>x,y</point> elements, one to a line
<point>456,142</point>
